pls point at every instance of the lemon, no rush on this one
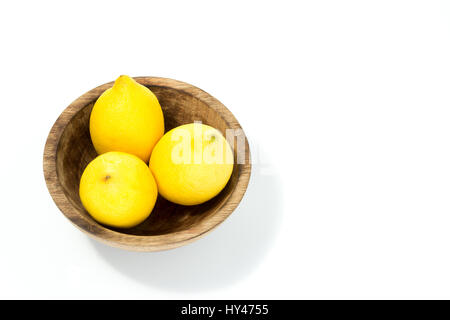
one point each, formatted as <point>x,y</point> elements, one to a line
<point>191,164</point>
<point>127,118</point>
<point>118,189</point>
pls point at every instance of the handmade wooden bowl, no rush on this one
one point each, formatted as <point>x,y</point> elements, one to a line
<point>69,149</point>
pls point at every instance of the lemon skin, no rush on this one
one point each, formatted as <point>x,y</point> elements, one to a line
<point>127,118</point>
<point>118,189</point>
<point>191,164</point>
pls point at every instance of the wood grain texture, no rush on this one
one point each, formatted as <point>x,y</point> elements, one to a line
<point>69,149</point>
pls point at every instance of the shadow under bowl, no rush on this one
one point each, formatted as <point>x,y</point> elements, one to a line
<point>69,149</point>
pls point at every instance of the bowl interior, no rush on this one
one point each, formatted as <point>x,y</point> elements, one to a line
<point>75,151</point>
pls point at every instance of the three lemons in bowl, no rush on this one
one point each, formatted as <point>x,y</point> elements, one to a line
<point>188,165</point>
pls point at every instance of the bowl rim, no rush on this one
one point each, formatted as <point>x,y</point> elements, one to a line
<point>141,242</point>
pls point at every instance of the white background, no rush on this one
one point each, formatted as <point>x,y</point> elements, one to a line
<point>347,108</point>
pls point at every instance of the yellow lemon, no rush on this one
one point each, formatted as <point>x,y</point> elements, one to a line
<point>118,189</point>
<point>127,118</point>
<point>191,164</point>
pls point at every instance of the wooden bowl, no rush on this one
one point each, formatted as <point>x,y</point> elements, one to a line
<point>69,149</point>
